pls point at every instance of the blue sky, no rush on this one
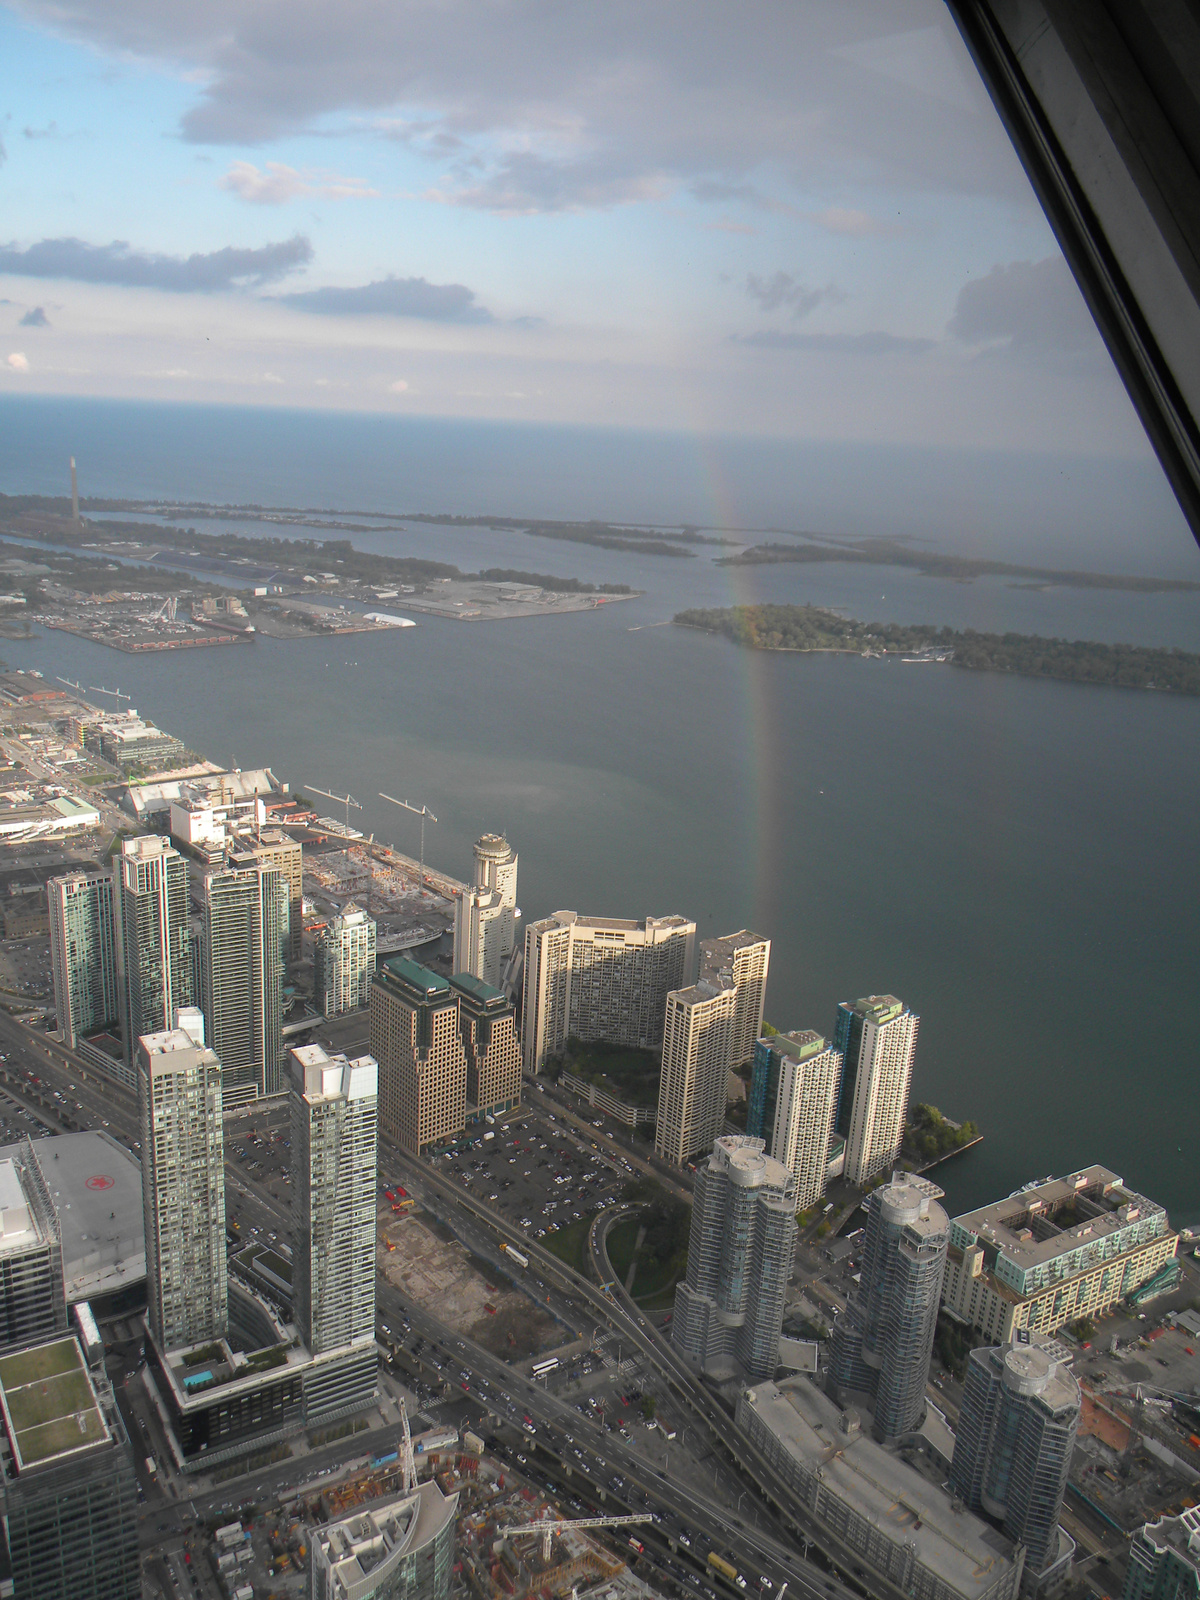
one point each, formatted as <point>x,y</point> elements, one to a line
<point>796,219</point>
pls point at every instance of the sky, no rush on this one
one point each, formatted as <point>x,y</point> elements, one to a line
<point>778,218</point>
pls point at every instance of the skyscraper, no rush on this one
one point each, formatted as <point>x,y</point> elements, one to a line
<point>416,1040</point>
<point>742,958</point>
<point>343,961</point>
<point>693,1080</point>
<point>83,953</point>
<point>70,1495</point>
<point>1012,1451</point>
<point>730,1308</point>
<point>154,964</point>
<point>183,1189</point>
<point>334,1135</point>
<point>878,1038</point>
<point>485,916</point>
<point>489,1035</point>
<point>399,1548</point>
<point>245,913</point>
<point>33,1302</point>
<point>1164,1559</point>
<point>793,1099</point>
<point>273,849</point>
<point>882,1341</point>
<point>600,978</point>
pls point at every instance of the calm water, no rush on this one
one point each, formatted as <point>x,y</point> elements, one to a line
<point>1016,859</point>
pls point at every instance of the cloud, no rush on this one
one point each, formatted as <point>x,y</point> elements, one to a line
<point>279,183</point>
<point>36,318</point>
<point>605,98</point>
<point>18,361</point>
<point>782,289</point>
<point>399,387</point>
<point>117,263</point>
<point>850,344</point>
<point>393,297</point>
<point>1027,306</point>
<point>526,183</point>
<point>50,131</point>
<point>846,220</point>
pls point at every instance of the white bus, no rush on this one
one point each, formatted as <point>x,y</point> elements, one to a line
<point>542,1369</point>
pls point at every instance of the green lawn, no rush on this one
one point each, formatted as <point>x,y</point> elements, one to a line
<point>655,1281</point>
<point>623,1071</point>
<point>47,1361</point>
<point>569,1244</point>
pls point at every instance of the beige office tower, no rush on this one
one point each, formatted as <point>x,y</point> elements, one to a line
<point>486,914</point>
<point>334,1137</point>
<point>807,1076</point>
<point>489,1035</point>
<point>272,848</point>
<point>183,1188</point>
<point>877,1035</point>
<point>697,1041</point>
<point>416,1040</point>
<point>743,960</point>
<point>601,978</point>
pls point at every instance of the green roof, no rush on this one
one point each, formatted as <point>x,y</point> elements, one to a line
<point>483,992</point>
<point>50,1408</point>
<point>415,976</point>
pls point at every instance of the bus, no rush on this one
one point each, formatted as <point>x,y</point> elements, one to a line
<point>726,1569</point>
<point>515,1255</point>
<point>543,1369</point>
<point>151,1467</point>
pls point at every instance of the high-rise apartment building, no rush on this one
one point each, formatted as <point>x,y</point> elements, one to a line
<point>877,1037</point>
<point>741,959</point>
<point>882,1341</point>
<point>334,1133</point>
<point>486,914</point>
<point>730,1308</point>
<point>1012,1451</point>
<point>83,953</point>
<point>600,978</point>
<point>793,1101</point>
<point>273,849</point>
<point>416,1039</point>
<point>693,1080</point>
<point>33,1302</point>
<point>399,1548</point>
<point>1056,1250</point>
<point>1164,1559</point>
<point>489,1035</point>
<point>343,961</point>
<point>183,1189</point>
<point>245,911</point>
<point>70,1495</point>
<point>154,958</point>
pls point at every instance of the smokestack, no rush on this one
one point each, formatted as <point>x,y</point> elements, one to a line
<point>74,492</point>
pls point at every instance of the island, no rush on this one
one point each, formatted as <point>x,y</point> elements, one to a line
<point>812,628</point>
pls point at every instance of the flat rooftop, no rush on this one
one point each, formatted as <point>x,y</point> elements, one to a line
<point>96,1187</point>
<point>49,1406</point>
<point>374,1540</point>
<point>907,1508</point>
<point>1050,1219</point>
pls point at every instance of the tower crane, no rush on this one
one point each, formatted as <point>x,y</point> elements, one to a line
<point>422,812</point>
<point>346,800</point>
<point>548,1527</point>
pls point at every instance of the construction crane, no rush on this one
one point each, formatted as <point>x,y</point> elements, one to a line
<point>168,609</point>
<point>423,812</point>
<point>549,1527</point>
<point>98,688</point>
<point>346,800</point>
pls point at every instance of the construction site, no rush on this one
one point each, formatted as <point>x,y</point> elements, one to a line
<point>134,622</point>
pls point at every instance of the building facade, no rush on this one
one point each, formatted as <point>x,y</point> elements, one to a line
<point>271,848</point>
<point>33,1303</point>
<point>183,1189</point>
<point>730,1307</point>
<point>343,961</point>
<point>486,914</point>
<point>1059,1250</point>
<point>245,916</point>
<point>882,1342</point>
<point>742,960</point>
<point>488,1026</point>
<point>877,1037</point>
<point>83,953</point>
<point>600,978</point>
<point>793,1102</point>
<point>401,1548</point>
<point>334,1123</point>
<point>1012,1451</point>
<point>1164,1559</point>
<point>70,1495</point>
<point>417,1041</point>
<point>153,933</point>
<point>693,1079</point>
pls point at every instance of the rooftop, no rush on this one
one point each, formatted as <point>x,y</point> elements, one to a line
<point>745,1160</point>
<point>877,1008</point>
<point>1181,1534</point>
<point>412,975</point>
<point>50,1408</point>
<point>906,1507</point>
<point>484,993</point>
<point>1059,1215</point>
<point>379,1536</point>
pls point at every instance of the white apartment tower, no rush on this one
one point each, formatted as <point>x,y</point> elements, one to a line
<point>153,935</point>
<point>344,960</point>
<point>83,953</point>
<point>486,914</point>
<point>793,1102</point>
<point>600,978</point>
<point>183,1188</point>
<point>877,1036</point>
<point>742,958</point>
<point>334,1129</point>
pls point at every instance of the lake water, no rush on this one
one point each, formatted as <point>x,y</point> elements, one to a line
<point>1016,859</point>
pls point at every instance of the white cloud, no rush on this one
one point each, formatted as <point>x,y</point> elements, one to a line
<point>853,223</point>
<point>277,183</point>
<point>18,361</point>
<point>399,387</point>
